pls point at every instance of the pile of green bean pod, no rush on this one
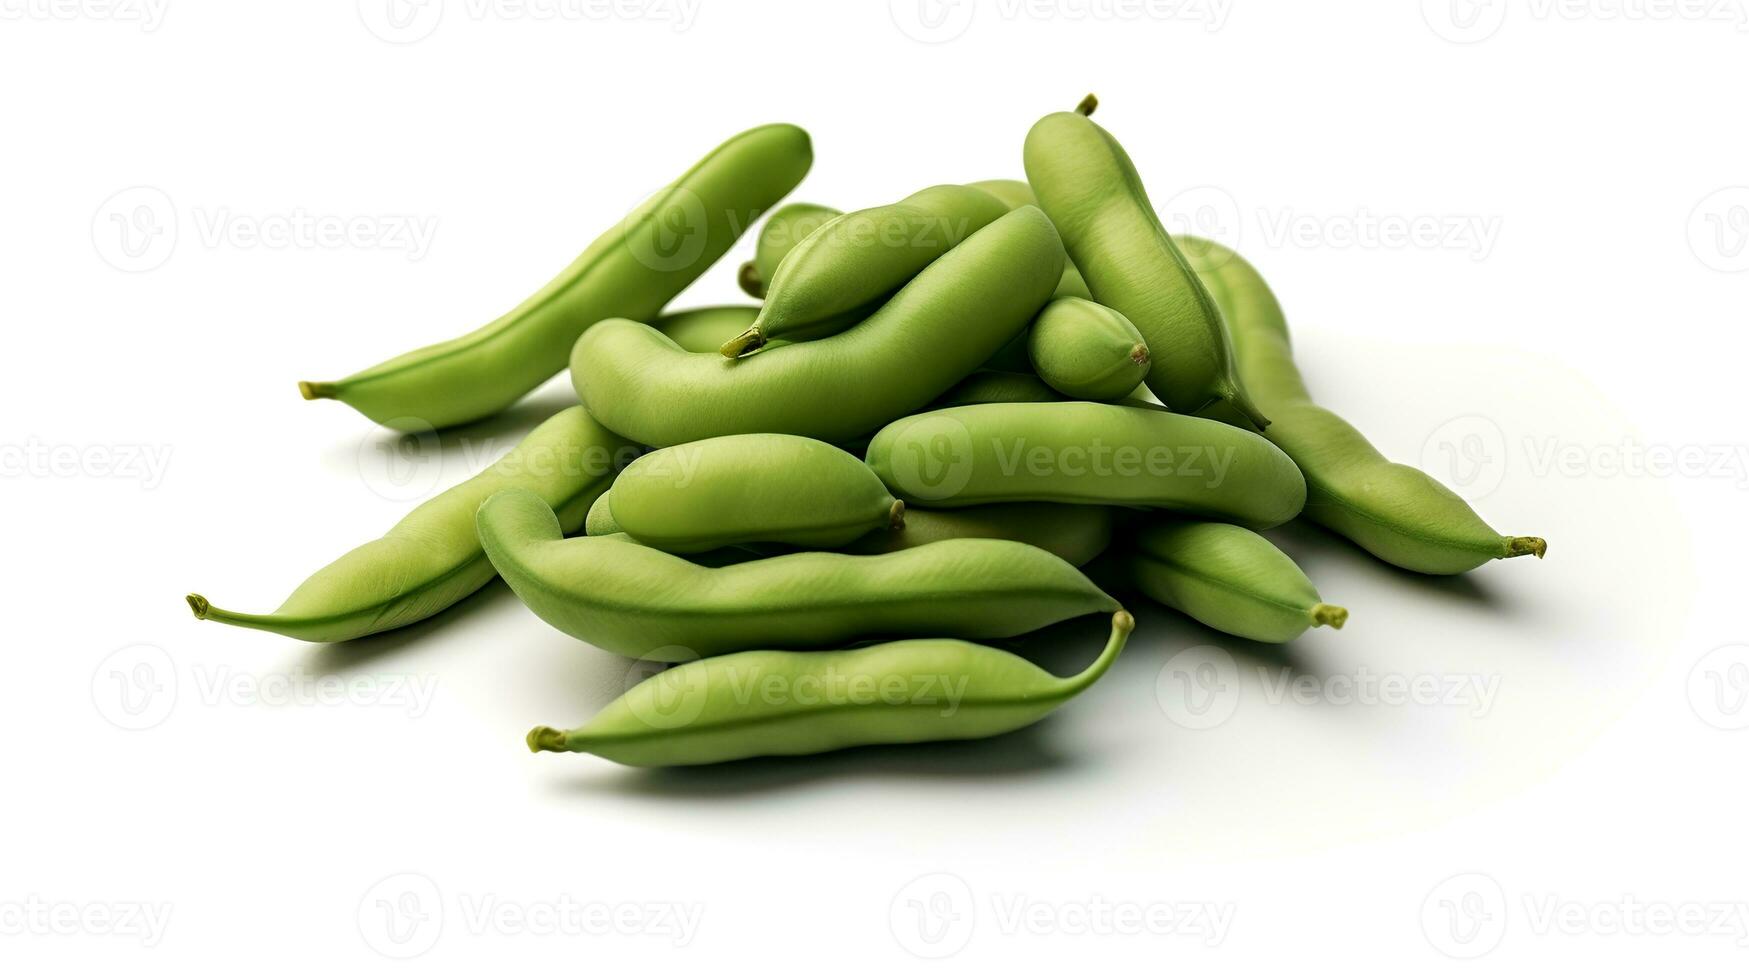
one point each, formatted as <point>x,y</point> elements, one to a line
<point>938,413</point>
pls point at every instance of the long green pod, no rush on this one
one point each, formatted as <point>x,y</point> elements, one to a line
<point>632,270</point>
<point>1228,578</point>
<point>783,231</point>
<point>1087,453</point>
<point>1086,350</point>
<point>756,487</point>
<point>1087,184</point>
<point>640,602</point>
<point>1018,194</point>
<point>1076,533</point>
<point>932,333</point>
<point>861,258</point>
<point>432,559</point>
<point>776,703</point>
<point>1396,512</point>
<point>984,386</point>
<point>704,328</point>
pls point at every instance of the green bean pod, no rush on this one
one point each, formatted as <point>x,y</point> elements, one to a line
<point>599,521</point>
<point>1086,183</point>
<point>773,702</point>
<point>1227,578</point>
<point>703,329</point>
<point>632,270</point>
<point>640,602</point>
<point>985,386</point>
<point>432,559</point>
<point>1087,351</point>
<point>1396,512</point>
<point>783,231</point>
<point>1076,533</point>
<point>1087,453</point>
<point>1017,194</point>
<point>757,487</point>
<point>934,332</point>
<point>861,258</point>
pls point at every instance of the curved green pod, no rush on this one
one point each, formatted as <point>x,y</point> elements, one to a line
<point>1087,453</point>
<point>1227,578</point>
<point>1086,350</point>
<point>703,329</point>
<point>934,332</point>
<point>432,559</point>
<point>1018,194</point>
<point>599,521</point>
<point>632,270</point>
<point>783,231</point>
<point>984,386</point>
<point>640,602</point>
<point>756,487</point>
<point>1076,533</point>
<point>1086,183</point>
<point>773,702</point>
<point>861,258</point>
<point>1396,512</point>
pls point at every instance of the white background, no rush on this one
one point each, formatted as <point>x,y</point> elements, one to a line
<point>1565,346</point>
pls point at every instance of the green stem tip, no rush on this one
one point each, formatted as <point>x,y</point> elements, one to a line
<point>312,390</point>
<point>896,516</point>
<point>1139,354</point>
<point>748,279</point>
<point>544,739</point>
<point>1525,546</point>
<point>198,603</point>
<point>745,342</point>
<point>1324,614</point>
<point>1088,104</point>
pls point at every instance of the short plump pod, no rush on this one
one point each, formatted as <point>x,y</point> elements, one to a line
<point>640,602</point>
<point>1396,512</point>
<point>1076,533</point>
<point>934,332</point>
<point>783,231</point>
<point>1087,453</point>
<point>1086,350</point>
<point>1085,182</point>
<point>986,386</point>
<point>756,487</point>
<point>1228,578</point>
<point>704,328</point>
<point>774,702</point>
<point>632,270</point>
<point>861,258</point>
<point>432,559</point>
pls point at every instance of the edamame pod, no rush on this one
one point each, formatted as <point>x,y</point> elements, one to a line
<point>633,271</point>
<point>758,487</point>
<point>1396,512</point>
<point>599,521</point>
<point>1087,453</point>
<point>704,329</point>
<point>1086,350</point>
<point>934,332</point>
<point>1015,194</point>
<point>640,602</point>
<point>432,559</point>
<point>1228,578</point>
<point>1076,533</point>
<point>861,258</point>
<point>783,231</point>
<point>772,702</point>
<point>1091,191</point>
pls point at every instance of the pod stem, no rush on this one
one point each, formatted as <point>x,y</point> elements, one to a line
<point>1139,354</point>
<point>312,390</point>
<point>544,739</point>
<point>896,516</point>
<point>1122,624</point>
<point>748,278</point>
<point>1324,614</point>
<point>1088,104</point>
<point>1525,546</point>
<point>746,342</point>
<point>206,610</point>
